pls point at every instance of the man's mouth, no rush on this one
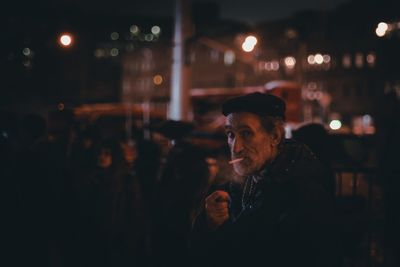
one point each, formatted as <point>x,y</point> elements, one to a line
<point>236,160</point>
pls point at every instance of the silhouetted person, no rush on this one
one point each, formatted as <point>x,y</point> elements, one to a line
<point>183,183</point>
<point>103,201</point>
<point>37,195</point>
<point>316,137</point>
<point>389,169</point>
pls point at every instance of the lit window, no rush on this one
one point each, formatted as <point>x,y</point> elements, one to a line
<point>229,57</point>
<point>275,65</point>
<point>371,58</point>
<point>261,66</point>
<point>99,53</point>
<point>359,60</point>
<point>214,55</point>
<point>346,61</point>
<point>193,56</point>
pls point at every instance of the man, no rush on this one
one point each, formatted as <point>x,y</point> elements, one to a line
<point>280,215</point>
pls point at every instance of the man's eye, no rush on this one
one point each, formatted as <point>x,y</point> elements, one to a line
<point>245,134</point>
<point>230,135</point>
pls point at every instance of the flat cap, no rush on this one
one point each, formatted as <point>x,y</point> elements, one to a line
<point>257,103</point>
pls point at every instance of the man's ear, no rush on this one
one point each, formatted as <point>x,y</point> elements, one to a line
<point>278,133</point>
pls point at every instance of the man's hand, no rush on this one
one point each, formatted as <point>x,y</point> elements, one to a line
<point>217,208</point>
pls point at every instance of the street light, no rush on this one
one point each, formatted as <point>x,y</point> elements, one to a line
<point>65,40</point>
<point>249,43</point>
<point>381,29</point>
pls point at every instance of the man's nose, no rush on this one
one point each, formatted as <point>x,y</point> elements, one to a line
<point>237,146</point>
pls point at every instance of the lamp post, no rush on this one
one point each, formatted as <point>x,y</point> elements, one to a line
<point>179,103</point>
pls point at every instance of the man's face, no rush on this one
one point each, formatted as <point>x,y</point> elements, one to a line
<point>105,158</point>
<point>247,139</point>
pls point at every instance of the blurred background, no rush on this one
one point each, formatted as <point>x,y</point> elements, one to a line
<point>123,68</point>
<point>341,56</point>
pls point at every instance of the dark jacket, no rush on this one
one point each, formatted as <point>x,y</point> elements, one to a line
<point>286,221</point>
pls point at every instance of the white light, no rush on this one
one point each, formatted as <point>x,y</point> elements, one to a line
<point>275,65</point>
<point>252,40</point>
<point>114,36</point>
<point>26,51</point>
<point>249,43</point>
<point>384,26</point>
<point>66,40</point>
<point>134,29</point>
<point>327,58</point>
<point>114,52</point>
<point>268,66</point>
<point>149,37</point>
<point>335,124</point>
<point>381,29</point>
<point>247,47</point>
<point>318,59</point>
<point>311,59</point>
<point>155,30</point>
<point>290,62</point>
<point>367,119</point>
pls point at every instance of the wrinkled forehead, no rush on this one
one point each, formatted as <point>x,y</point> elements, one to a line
<point>241,120</point>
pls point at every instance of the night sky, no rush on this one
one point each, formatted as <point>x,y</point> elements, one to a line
<point>250,11</point>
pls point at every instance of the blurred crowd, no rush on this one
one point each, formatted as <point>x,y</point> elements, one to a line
<point>78,197</point>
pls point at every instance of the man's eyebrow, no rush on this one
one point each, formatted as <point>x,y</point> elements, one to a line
<point>239,127</point>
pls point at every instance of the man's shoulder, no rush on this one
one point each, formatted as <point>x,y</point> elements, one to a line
<point>297,165</point>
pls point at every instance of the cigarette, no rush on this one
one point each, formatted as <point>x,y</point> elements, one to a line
<point>235,160</point>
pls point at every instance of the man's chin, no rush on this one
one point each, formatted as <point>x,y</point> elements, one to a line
<point>241,171</point>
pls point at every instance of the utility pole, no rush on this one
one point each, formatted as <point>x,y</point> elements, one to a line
<point>179,107</point>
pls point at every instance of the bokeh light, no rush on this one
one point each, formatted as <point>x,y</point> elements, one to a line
<point>335,124</point>
<point>65,40</point>
<point>381,29</point>
<point>157,79</point>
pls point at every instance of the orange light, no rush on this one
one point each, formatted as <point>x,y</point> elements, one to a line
<point>157,79</point>
<point>65,40</point>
